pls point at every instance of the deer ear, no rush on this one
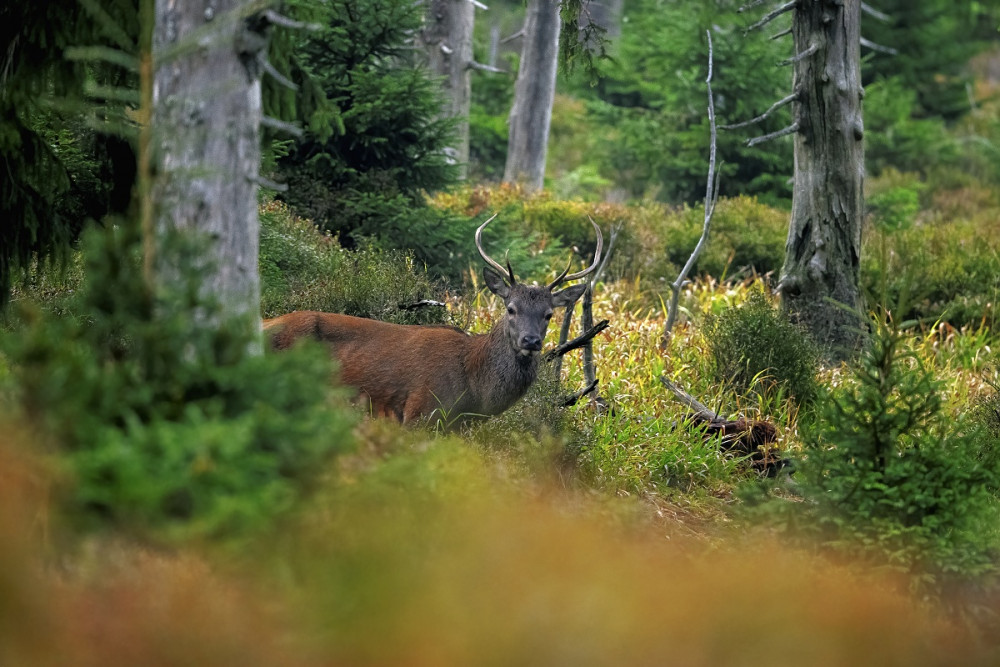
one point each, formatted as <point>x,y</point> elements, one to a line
<point>495,282</point>
<point>568,296</point>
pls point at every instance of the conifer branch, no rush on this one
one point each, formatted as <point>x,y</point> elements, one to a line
<point>103,53</point>
<point>783,33</point>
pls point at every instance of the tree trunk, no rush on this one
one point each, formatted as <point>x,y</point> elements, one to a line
<point>447,40</point>
<point>820,278</point>
<point>206,146</point>
<point>531,113</point>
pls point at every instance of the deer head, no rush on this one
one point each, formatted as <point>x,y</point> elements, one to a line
<point>529,307</point>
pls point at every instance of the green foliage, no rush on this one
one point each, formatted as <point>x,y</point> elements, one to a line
<point>753,346</point>
<point>934,40</point>
<point>168,429</point>
<point>303,269</point>
<point>650,106</point>
<point>889,475</point>
<point>895,208</point>
<point>64,160</point>
<point>895,135</point>
<point>374,143</point>
<point>947,270</point>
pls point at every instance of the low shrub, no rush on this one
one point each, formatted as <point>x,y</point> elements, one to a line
<point>303,269</point>
<point>754,346</point>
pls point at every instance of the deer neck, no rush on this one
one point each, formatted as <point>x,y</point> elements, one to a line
<point>499,374</point>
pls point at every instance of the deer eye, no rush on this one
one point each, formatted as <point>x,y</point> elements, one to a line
<point>548,316</point>
<point>510,310</point>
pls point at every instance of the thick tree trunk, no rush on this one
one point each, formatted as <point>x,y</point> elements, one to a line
<point>820,279</point>
<point>447,40</point>
<point>531,113</point>
<point>206,145</point>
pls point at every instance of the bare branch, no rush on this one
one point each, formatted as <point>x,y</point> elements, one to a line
<point>690,401</point>
<point>278,76</point>
<point>773,14</point>
<point>791,129</point>
<point>779,35</point>
<point>278,19</point>
<point>481,67</point>
<point>750,5</point>
<point>874,13</point>
<point>282,126</point>
<point>573,398</point>
<point>868,44</point>
<point>579,341</point>
<point>519,33</point>
<point>269,184</point>
<point>774,107</point>
<point>798,57</point>
<point>711,197</point>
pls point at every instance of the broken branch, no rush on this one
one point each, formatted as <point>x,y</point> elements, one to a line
<point>773,14</point>
<point>774,107</point>
<point>579,341</point>
<point>574,397</point>
<point>813,48</point>
<point>791,129</point>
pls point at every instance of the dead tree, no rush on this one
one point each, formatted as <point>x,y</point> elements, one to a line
<point>534,93</point>
<point>447,43</point>
<point>711,198</point>
<point>820,279</point>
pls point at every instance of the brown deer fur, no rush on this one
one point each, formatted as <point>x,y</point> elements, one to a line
<point>408,371</point>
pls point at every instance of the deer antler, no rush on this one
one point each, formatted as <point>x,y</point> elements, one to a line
<point>509,272</point>
<point>580,274</point>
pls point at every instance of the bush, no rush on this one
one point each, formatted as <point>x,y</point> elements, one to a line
<point>166,429</point>
<point>890,476</point>
<point>302,269</point>
<point>753,346</point>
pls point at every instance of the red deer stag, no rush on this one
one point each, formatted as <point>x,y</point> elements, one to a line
<point>411,371</point>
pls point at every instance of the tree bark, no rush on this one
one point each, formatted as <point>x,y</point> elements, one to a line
<point>206,146</point>
<point>819,282</point>
<point>534,92</point>
<point>447,41</point>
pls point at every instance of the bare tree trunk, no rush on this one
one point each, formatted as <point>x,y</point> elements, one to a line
<point>206,144</point>
<point>531,113</point>
<point>820,278</point>
<point>447,41</point>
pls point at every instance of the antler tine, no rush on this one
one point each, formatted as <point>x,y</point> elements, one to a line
<point>590,269</point>
<point>489,260</point>
<point>562,276</point>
